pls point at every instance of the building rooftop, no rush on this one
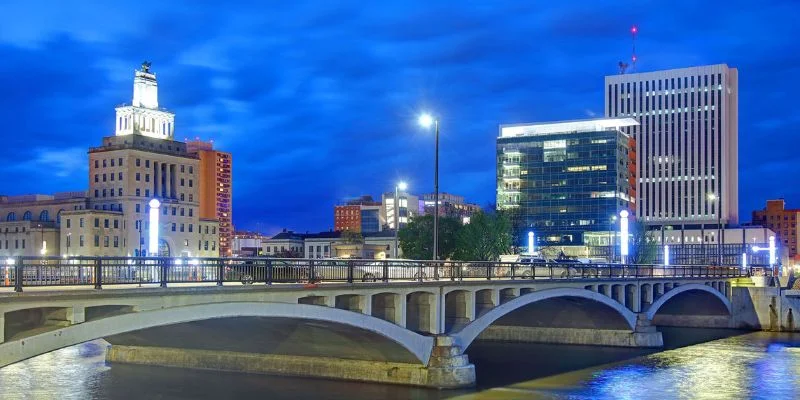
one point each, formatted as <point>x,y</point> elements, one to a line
<point>574,126</point>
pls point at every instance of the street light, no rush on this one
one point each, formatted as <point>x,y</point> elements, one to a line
<point>152,246</point>
<point>426,120</point>
<point>400,186</point>
<point>712,197</point>
<point>623,233</point>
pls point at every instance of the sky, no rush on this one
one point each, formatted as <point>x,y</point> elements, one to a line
<point>317,100</point>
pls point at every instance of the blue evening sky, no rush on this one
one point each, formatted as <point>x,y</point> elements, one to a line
<point>317,100</point>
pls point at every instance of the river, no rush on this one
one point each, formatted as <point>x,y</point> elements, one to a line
<point>740,365</point>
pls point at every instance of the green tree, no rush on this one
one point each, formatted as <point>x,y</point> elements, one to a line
<point>484,238</point>
<point>642,245</point>
<point>416,238</point>
<point>351,237</point>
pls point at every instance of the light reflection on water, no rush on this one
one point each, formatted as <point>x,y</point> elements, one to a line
<point>757,365</point>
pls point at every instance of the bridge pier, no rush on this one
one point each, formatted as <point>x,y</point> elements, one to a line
<point>76,315</point>
<point>2,327</point>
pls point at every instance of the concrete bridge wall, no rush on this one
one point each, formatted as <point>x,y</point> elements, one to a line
<point>406,313</point>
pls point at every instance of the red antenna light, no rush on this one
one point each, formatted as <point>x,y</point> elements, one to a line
<point>634,32</point>
<point>634,29</point>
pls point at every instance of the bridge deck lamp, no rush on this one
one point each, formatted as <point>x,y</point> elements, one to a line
<point>152,247</point>
<point>530,243</point>
<point>666,255</point>
<point>623,232</point>
<point>426,120</point>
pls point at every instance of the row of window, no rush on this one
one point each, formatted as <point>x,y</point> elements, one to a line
<point>44,216</point>
<point>98,193</point>
<point>118,162</point>
<point>165,210</point>
<point>175,227</point>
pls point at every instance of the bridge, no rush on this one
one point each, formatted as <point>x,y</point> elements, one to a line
<point>403,322</point>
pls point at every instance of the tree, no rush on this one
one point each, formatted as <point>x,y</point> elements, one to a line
<point>484,238</point>
<point>416,238</point>
<point>351,237</point>
<point>642,245</point>
<point>517,227</point>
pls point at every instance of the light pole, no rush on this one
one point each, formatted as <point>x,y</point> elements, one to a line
<point>426,120</point>
<point>712,197</point>
<point>400,186</point>
<point>623,233</point>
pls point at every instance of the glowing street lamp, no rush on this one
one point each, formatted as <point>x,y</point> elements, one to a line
<point>426,120</point>
<point>152,247</point>
<point>713,198</point>
<point>530,243</point>
<point>401,186</point>
<point>623,233</point>
<point>666,255</point>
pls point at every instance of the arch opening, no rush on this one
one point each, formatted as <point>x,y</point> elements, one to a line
<point>691,305</point>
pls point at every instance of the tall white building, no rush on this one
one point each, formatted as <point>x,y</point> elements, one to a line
<point>686,142</point>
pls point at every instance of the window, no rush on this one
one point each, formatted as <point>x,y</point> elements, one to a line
<point>96,240</point>
<point>138,207</point>
<point>119,192</point>
<point>26,216</point>
<point>147,163</point>
<point>44,216</point>
<point>68,223</point>
<point>104,163</point>
<point>205,246</point>
<point>190,183</point>
<point>105,241</point>
<point>112,162</point>
<point>105,223</point>
<point>116,241</point>
<point>119,176</point>
<point>138,177</point>
<point>147,177</point>
<point>120,161</point>
<point>190,212</point>
<point>138,192</point>
<point>112,177</point>
<point>191,170</point>
<point>97,222</point>
<point>213,230</point>
<point>12,216</point>
<point>190,227</point>
<point>173,226</point>
<point>116,224</point>
<point>138,162</point>
<point>96,164</point>
<point>191,197</point>
<point>181,196</point>
<point>182,182</point>
<point>182,212</point>
<point>80,222</point>
<point>182,168</point>
<point>96,178</point>
<point>181,227</point>
<point>147,193</point>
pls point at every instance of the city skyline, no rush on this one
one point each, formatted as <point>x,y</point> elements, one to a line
<point>281,106</point>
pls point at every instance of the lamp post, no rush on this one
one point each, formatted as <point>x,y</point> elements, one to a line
<point>400,186</point>
<point>426,120</point>
<point>152,246</point>
<point>712,197</point>
<point>623,233</point>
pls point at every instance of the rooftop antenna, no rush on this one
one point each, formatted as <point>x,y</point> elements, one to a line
<point>622,67</point>
<point>634,32</point>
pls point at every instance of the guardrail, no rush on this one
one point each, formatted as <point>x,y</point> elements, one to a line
<point>21,272</point>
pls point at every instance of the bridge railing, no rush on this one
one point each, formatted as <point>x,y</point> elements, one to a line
<point>20,272</point>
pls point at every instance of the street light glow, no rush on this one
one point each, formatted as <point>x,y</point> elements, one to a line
<point>623,232</point>
<point>530,243</point>
<point>666,255</point>
<point>712,196</point>
<point>402,186</point>
<point>426,120</point>
<point>152,247</point>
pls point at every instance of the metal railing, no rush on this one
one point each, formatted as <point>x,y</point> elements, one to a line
<point>21,272</point>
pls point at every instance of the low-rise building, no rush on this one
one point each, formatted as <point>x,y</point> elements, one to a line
<point>450,205</point>
<point>783,221</point>
<point>248,244</point>
<point>358,215</point>
<point>286,244</point>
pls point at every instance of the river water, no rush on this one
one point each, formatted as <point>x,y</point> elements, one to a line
<point>740,365</point>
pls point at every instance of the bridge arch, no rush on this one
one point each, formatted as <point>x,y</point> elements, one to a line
<point>468,333</point>
<point>17,350</point>
<point>651,312</point>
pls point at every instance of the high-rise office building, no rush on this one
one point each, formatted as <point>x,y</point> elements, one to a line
<point>215,190</point>
<point>409,207</point>
<point>568,180</point>
<point>686,142</point>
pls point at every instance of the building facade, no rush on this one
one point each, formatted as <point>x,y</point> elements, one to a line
<point>686,142</point>
<point>247,244</point>
<point>409,206</point>
<point>450,205</point>
<point>139,163</point>
<point>783,221</point>
<point>215,190</point>
<point>566,179</point>
<point>358,215</point>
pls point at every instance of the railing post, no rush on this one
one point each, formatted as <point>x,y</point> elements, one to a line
<point>98,273</point>
<point>312,274</point>
<point>489,272</point>
<point>350,271</point>
<point>512,271</point>
<point>19,270</point>
<point>221,272</point>
<point>162,264</point>
<point>386,271</point>
<point>420,271</point>
<point>550,266</point>
<point>269,272</point>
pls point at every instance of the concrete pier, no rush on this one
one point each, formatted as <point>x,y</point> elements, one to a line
<point>589,337</point>
<point>449,367</point>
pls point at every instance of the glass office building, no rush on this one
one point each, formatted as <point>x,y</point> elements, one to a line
<point>568,180</point>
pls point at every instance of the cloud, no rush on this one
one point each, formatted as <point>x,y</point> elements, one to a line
<point>317,100</point>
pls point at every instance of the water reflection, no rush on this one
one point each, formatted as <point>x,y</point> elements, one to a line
<point>756,365</point>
